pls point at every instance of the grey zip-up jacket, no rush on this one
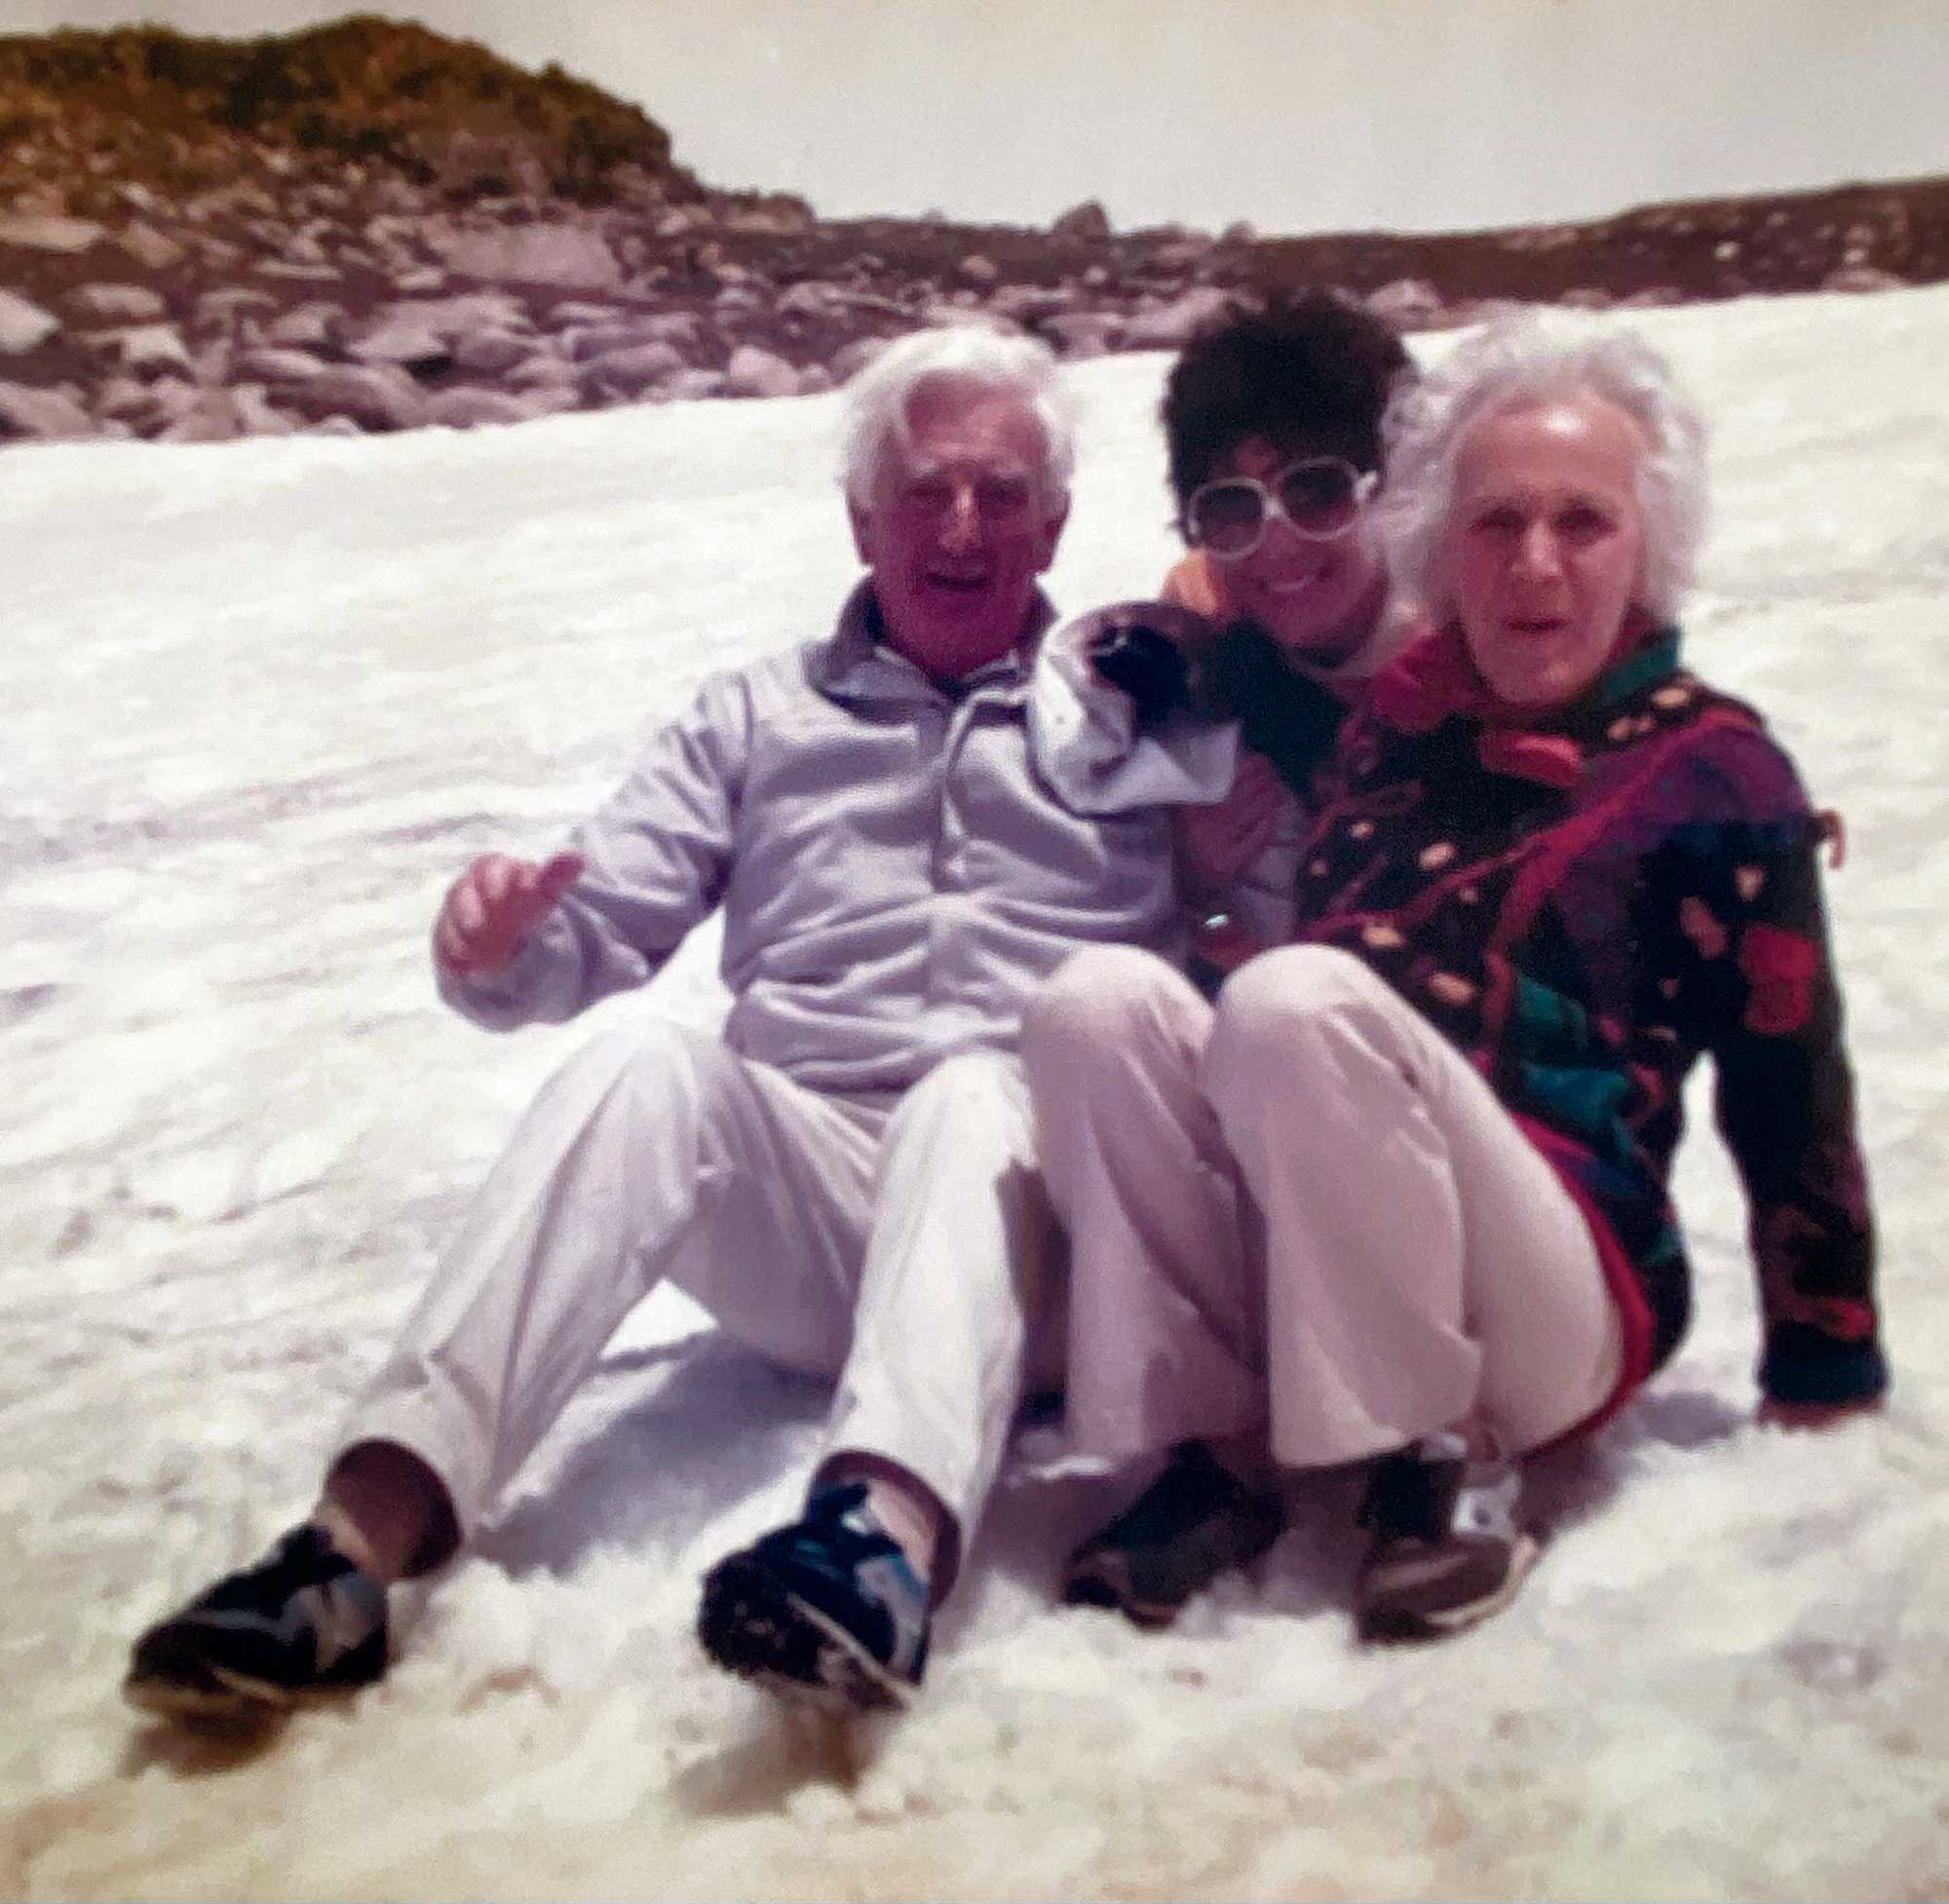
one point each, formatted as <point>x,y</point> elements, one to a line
<point>897,871</point>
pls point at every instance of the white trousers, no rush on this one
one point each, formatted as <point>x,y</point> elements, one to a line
<point>1300,1213</point>
<point>906,1246</point>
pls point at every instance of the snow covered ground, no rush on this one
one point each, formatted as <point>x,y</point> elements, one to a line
<point>263,699</point>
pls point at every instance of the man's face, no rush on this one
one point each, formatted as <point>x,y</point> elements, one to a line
<point>959,528</point>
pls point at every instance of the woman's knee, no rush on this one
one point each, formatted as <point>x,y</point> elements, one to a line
<point>1287,992</point>
<point>1104,999</point>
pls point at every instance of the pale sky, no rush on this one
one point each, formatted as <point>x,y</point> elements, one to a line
<point>1298,115</point>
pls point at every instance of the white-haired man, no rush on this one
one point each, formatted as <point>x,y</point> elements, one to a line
<point>845,1178</point>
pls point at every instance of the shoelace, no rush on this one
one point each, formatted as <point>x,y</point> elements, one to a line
<point>832,1542</point>
<point>303,1558</point>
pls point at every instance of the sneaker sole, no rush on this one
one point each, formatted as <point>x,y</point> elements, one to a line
<point>754,1626</point>
<point>1100,1576</point>
<point>183,1686</point>
<point>1097,1589</point>
<point>232,1696</point>
<point>1398,1623</point>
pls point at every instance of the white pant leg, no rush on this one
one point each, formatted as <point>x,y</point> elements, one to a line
<point>960,1283</point>
<point>1424,1263</point>
<point>648,1154</point>
<point>1167,1301</point>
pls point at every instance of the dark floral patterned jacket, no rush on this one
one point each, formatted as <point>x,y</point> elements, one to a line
<point>1586,905</point>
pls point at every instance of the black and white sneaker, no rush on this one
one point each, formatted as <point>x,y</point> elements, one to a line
<point>828,1611</point>
<point>304,1619</point>
<point>1448,1544</point>
<point>1196,1521</point>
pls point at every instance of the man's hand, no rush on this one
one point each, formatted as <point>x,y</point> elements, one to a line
<point>493,906</point>
<point>1814,1414</point>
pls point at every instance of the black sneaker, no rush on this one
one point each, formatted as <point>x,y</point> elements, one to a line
<point>1447,1549</point>
<point>303,1620</point>
<point>828,1611</point>
<point>1193,1523</point>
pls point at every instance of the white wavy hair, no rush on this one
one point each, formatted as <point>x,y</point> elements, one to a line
<point>969,357</point>
<point>1513,363</point>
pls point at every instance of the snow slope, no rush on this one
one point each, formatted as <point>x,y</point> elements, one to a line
<point>263,699</point>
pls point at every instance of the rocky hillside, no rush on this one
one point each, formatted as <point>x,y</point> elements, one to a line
<point>368,226</point>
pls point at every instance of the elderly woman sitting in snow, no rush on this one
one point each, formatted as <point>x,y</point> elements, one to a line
<point>1402,1192</point>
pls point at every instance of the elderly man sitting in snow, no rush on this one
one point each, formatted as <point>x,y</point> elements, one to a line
<point>845,1179</point>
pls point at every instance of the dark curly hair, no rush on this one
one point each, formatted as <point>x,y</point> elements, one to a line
<point>1310,374</point>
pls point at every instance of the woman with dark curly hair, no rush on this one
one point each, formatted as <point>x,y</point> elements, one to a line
<point>1272,423</point>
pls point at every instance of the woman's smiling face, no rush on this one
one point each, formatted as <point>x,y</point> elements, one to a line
<point>1319,600</point>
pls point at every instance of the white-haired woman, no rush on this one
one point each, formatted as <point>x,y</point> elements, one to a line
<point>1401,1193</point>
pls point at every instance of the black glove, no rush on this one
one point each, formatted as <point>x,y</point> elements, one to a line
<point>1145,664</point>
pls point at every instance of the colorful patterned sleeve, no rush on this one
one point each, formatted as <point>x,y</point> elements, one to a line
<point>1756,983</point>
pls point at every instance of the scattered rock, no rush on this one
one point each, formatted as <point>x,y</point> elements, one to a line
<point>1030,305</point>
<point>776,214</point>
<point>577,311</point>
<point>554,255</point>
<point>24,326</point>
<point>65,236</point>
<point>258,415</point>
<point>213,418</point>
<point>115,303</point>
<point>634,367</point>
<point>148,349</point>
<point>488,352</point>
<point>1862,278</point>
<point>1169,327</point>
<point>300,273</point>
<point>584,343</point>
<point>456,316</point>
<point>544,370</point>
<point>411,345</point>
<point>468,405</point>
<point>40,415</point>
<point>235,301</point>
<point>1087,221</point>
<point>1083,333</point>
<point>308,328</point>
<point>168,400</point>
<point>1406,303</point>
<point>378,396</point>
<point>690,385</point>
<point>273,363</point>
<point>753,372</point>
<point>121,397</point>
<point>151,249</point>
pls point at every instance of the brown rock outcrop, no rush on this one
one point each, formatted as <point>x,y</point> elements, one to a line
<point>367,226</point>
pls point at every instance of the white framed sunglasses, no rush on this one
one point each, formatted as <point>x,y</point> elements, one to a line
<point>1319,498</point>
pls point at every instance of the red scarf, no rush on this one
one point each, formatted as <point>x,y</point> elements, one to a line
<point>1436,678</point>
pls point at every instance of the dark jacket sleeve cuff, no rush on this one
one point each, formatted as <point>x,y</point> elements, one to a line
<point>1804,1367</point>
